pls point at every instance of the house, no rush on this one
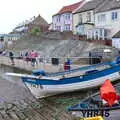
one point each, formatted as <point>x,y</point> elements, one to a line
<point>50,27</point>
<point>116,40</point>
<point>27,25</point>
<point>40,23</point>
<point>7,38</point>
<point>62,21</point>
<point>12,37</point>
<point>107,18</point>
<point>84,17</point>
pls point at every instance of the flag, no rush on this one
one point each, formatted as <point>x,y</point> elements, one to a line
<point>108,93</point>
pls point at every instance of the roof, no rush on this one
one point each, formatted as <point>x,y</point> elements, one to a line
<point>90,5</point>
<point>108,5</point>
<point>117,35</point>
<point>70,8</point>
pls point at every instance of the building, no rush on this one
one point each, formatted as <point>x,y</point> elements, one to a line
<point>84,17</point>
<point>8,39</point>
<point>23,26</point>
<point>62,21</point>
<point>116,40</point>
<point>26,26</point>
<point>11,37</point>
<point>38,22</point>
<point>107,19</point>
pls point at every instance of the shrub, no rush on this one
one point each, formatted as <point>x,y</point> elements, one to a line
<point>35,31</point>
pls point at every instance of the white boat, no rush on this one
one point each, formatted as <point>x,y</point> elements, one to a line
<point>74,80</point>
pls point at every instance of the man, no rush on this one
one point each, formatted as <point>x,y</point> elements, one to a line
<point>11,56</point>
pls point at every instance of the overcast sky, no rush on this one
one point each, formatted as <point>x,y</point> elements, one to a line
<point>14,12</point>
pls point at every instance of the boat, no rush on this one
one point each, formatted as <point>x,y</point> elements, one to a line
<point>70,81</point>
<point>95,105</point>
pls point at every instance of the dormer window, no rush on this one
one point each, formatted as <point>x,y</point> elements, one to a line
<point>88,17</point>
<point>114,15</point>
<point>80,18</point>
<point>101,18</point>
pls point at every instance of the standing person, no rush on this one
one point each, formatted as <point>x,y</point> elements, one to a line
<point>27,57</point>
<point>33,58</point>
<point>36,58</point>
<point>11,56</point>
<point>68,63</point>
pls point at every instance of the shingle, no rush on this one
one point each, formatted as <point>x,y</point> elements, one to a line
<point>91,5</point>
<point>70,8</point>
<point>117,35</point>
<point>108,5</point>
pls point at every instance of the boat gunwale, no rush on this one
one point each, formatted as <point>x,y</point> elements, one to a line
<point>40,81</point>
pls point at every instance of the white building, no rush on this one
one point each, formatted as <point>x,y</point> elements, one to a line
<point>63,20</point>
<point>84,17</point>
<point>107,17</point>
<point>116,40</point>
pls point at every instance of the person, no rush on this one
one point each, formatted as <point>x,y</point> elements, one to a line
<point>68,63</point>
<point>36,58</point>
<point>11,56</point>
<point>33,58</point>
<point>27,57</point>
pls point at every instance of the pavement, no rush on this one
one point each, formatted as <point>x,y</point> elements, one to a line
<point>22,64</point>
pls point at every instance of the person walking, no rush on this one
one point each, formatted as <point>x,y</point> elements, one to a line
<point>11,56</point>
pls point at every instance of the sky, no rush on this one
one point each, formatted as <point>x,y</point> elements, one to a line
<point>14,12</point>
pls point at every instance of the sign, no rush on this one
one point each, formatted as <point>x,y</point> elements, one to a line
<point>93,118</point>
<point>91,113</point>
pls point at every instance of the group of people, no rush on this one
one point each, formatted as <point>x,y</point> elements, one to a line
<point>31,56</point>
<point>28,56</point>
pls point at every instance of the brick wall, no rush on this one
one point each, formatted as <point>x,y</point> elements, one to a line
<point>103,42</point>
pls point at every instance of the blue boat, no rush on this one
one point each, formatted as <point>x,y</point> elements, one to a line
<point>94,106</point>
<point>48,84</point>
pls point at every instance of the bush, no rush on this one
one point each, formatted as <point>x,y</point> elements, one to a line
<point>35,31</point>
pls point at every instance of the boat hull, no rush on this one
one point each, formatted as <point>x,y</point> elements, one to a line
<point>40,90</point>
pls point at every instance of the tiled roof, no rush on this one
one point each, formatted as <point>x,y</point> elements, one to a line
<point>90,5</point>
<point>108,5</point>
<point>117,35</point>
<point>70,8</point>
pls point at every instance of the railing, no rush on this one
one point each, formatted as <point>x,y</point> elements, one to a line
<point>46,64</point>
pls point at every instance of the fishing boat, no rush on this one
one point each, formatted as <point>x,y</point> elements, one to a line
<point>99,104</point>
<point>69,81</point>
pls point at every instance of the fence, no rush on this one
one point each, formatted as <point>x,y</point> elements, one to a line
<point>47,64</point>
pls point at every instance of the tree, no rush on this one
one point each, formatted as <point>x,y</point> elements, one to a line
<point>35,31</point>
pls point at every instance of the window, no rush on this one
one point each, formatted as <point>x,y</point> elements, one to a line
<point>58,19</point>
<point>67,17</point>
<point>101,18</point>
<point>67,28</point>
<point>80,18</point>
<point>88,17</point>
<point>114,15</point>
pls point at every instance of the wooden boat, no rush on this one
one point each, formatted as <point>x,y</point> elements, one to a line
<point>74,80</point>
<point>93,106</point>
